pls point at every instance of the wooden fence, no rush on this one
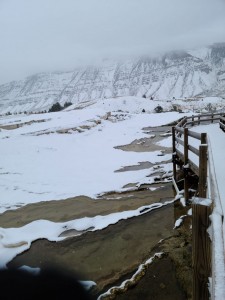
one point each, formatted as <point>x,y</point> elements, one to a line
<point>194,160</point>
<point>222,122</point>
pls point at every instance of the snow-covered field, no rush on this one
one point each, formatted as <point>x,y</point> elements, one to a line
<point>40,163</point>
<point>55,156</point>
<point>70,153</point>
<point>134,104</point>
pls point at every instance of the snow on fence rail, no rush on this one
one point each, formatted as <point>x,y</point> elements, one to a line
<point>182,155</point>
<point>194,160</point>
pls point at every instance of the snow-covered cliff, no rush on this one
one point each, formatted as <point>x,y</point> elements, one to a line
<point>175,74</point>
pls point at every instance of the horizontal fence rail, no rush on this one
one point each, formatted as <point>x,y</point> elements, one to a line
<point>181,138</point>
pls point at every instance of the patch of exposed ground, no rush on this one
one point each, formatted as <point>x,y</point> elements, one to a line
<point>18,125</point>
<point>140,166</point>
<point>149,143</point>
<point>78,207</point>
<point>166,278</point>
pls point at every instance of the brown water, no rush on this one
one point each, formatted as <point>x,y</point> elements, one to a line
<point>104,256</point>
<point>78,207</point>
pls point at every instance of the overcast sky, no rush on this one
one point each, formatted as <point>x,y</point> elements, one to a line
<point>49,35</point>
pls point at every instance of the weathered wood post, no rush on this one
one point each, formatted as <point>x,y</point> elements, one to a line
<point>174,154</point>
<point>192,119</point>
<point>203,138</point>
<point>198,120</point>
<point>201,252</point>
<point>185,167</point>
<point>202,170</point>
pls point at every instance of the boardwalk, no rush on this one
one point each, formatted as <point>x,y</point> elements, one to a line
<point>216,177</point>
<point>216,141</point>
<point>188,156</point>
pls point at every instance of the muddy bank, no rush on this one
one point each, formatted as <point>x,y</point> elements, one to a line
<point>149,143</point>
<point>78,207</point>
<point>169,277</point>
<point>112,255</point>
<point>156,284</point>
<point>104,256</point>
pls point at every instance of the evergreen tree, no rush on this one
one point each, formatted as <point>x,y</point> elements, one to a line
<point>158,109</point>
<point>66,104</point>
<point>55,107</point>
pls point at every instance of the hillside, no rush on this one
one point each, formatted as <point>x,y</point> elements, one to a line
<point>180,74</point>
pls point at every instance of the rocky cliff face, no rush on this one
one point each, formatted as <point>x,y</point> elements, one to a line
<point>176,74</point>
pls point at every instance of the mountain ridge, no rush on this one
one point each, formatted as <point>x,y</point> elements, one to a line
<point>177,74</point>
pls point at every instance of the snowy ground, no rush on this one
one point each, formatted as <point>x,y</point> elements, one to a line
<point>41,163</point>
<point>65,154</point>
<point>59,155</point>
<point>134,104</point>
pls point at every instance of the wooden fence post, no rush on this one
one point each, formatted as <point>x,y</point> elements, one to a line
<point>203,138</point>
<point>202,171</point>
<point>174,154</point>
<point>201,252</point>
<point>185,169</point>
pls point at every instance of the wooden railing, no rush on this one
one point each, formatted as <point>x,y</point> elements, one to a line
<point>181,134</point>
<point>222,122</point>
<point>182,157</point>
<point>192,159</point>
<point>198,119</point>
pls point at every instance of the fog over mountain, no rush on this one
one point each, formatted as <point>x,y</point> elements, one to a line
<point>177,74</point>
<point>55,35</point>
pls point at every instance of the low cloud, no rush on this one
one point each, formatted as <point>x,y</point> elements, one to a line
<point>48,35</point>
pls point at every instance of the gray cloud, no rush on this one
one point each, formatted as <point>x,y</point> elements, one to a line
<point>44,35</point>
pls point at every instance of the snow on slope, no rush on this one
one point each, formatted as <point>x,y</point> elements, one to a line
<point>176,74</point>
<point>41,163</point>
<point>69,153</point>
<point>134,104</point>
